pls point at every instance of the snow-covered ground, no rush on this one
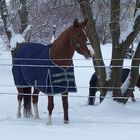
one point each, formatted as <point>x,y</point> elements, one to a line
<point>105,121</point>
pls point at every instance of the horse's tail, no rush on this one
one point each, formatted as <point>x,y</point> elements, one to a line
<point>27,103</point>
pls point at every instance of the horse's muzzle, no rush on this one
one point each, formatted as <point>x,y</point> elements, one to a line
<point>88,56</point>
<point>91,50</point>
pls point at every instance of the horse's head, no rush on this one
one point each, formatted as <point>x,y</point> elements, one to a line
<point>79,39</point>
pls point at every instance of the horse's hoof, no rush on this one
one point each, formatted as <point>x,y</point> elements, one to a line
<point>49,120</point>
<point>133,100</point>
<point>66,121</point>
<point>28,116</point>
<point>18,115</point>
<point>49,123</point>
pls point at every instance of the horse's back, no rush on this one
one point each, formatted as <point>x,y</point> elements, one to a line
<point>30,50</point>
<point>26,60</point>
<point>33,66</point>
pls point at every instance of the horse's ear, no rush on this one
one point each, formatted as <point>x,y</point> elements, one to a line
<point>84,23</point>
<point>76,23</point>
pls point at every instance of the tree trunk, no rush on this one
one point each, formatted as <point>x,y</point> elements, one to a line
<point>116,62</point>
<point>134,74</point>
<point>23,14</point>
<point>5,18</point>
<point>119,48</point>
<point>95,42</point>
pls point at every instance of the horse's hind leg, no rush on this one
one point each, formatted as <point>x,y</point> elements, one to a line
<point>133,97</point>
<point>65,107</point>
<point>92,91</point>
<point>35,103</point>
<point>27,102</point>
<point>50,109</point>
<point>19,98</point>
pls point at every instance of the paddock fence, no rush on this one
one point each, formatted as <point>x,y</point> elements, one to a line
<point>83,66</point>
<point>9,67</point>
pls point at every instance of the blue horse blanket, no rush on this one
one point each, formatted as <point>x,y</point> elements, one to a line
<point>125,73</point>
<point>32,66</point>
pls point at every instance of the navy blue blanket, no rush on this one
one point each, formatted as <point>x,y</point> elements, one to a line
<point>125,73</point>
<point>32,66</point>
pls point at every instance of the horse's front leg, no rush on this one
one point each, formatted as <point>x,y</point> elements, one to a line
<point>65,107</point>
<point>50,109</point>
<point>35,103</point>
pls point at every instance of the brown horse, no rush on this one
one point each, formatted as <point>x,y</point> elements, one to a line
<point>60,54</point>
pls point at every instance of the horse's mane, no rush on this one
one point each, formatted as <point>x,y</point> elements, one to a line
<point>64,34</point>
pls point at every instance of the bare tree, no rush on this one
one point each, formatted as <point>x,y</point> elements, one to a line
<point>119,48</point>
<point>23,14</point>
<point>8,21</point>
<point>5,17</point>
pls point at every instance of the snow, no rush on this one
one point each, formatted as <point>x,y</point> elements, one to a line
<point>137,14</point>
<point>108,73</point>
<point>2,44</point>
<point>17,37</point>
<point>90,48</point>
<point>53,39</point>
<point>108,120</point>
<point>125,33</point>
<point>129,27</point>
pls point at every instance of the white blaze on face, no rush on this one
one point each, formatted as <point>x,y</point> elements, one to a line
<point>89,45</point>
<point>90,48</point>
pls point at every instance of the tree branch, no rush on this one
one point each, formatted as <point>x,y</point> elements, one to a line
<point>134,74</point>
<point>131,37</point>
<point>5,17</point>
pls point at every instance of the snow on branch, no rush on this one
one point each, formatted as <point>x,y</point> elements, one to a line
<point>27,29</point>
<point>137,13</point>
<point>19,38</point>
<point>11,29</point>
<point>131,34</point>
<point>133,27</point>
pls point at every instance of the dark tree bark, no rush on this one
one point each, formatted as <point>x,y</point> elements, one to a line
<point>95,42</point>
<point>5,18</point>
<point>116,61</point>
<point>134,74</point>
<point>8,25</point>
<point>23,14</point>
<point>119,48</point>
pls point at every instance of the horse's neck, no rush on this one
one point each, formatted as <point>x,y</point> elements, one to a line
<point>61,51</point>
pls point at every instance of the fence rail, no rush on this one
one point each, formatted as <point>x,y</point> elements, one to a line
<point>58,95</point>
<point>77,66</point>
<point>75,59</point>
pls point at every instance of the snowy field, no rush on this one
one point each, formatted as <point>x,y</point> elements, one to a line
<point>106,121</point>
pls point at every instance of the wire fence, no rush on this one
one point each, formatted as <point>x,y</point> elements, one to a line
<point>70,95</point>
<point>46,66</point>
<point>80,66</point>
<point>75,59</point>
